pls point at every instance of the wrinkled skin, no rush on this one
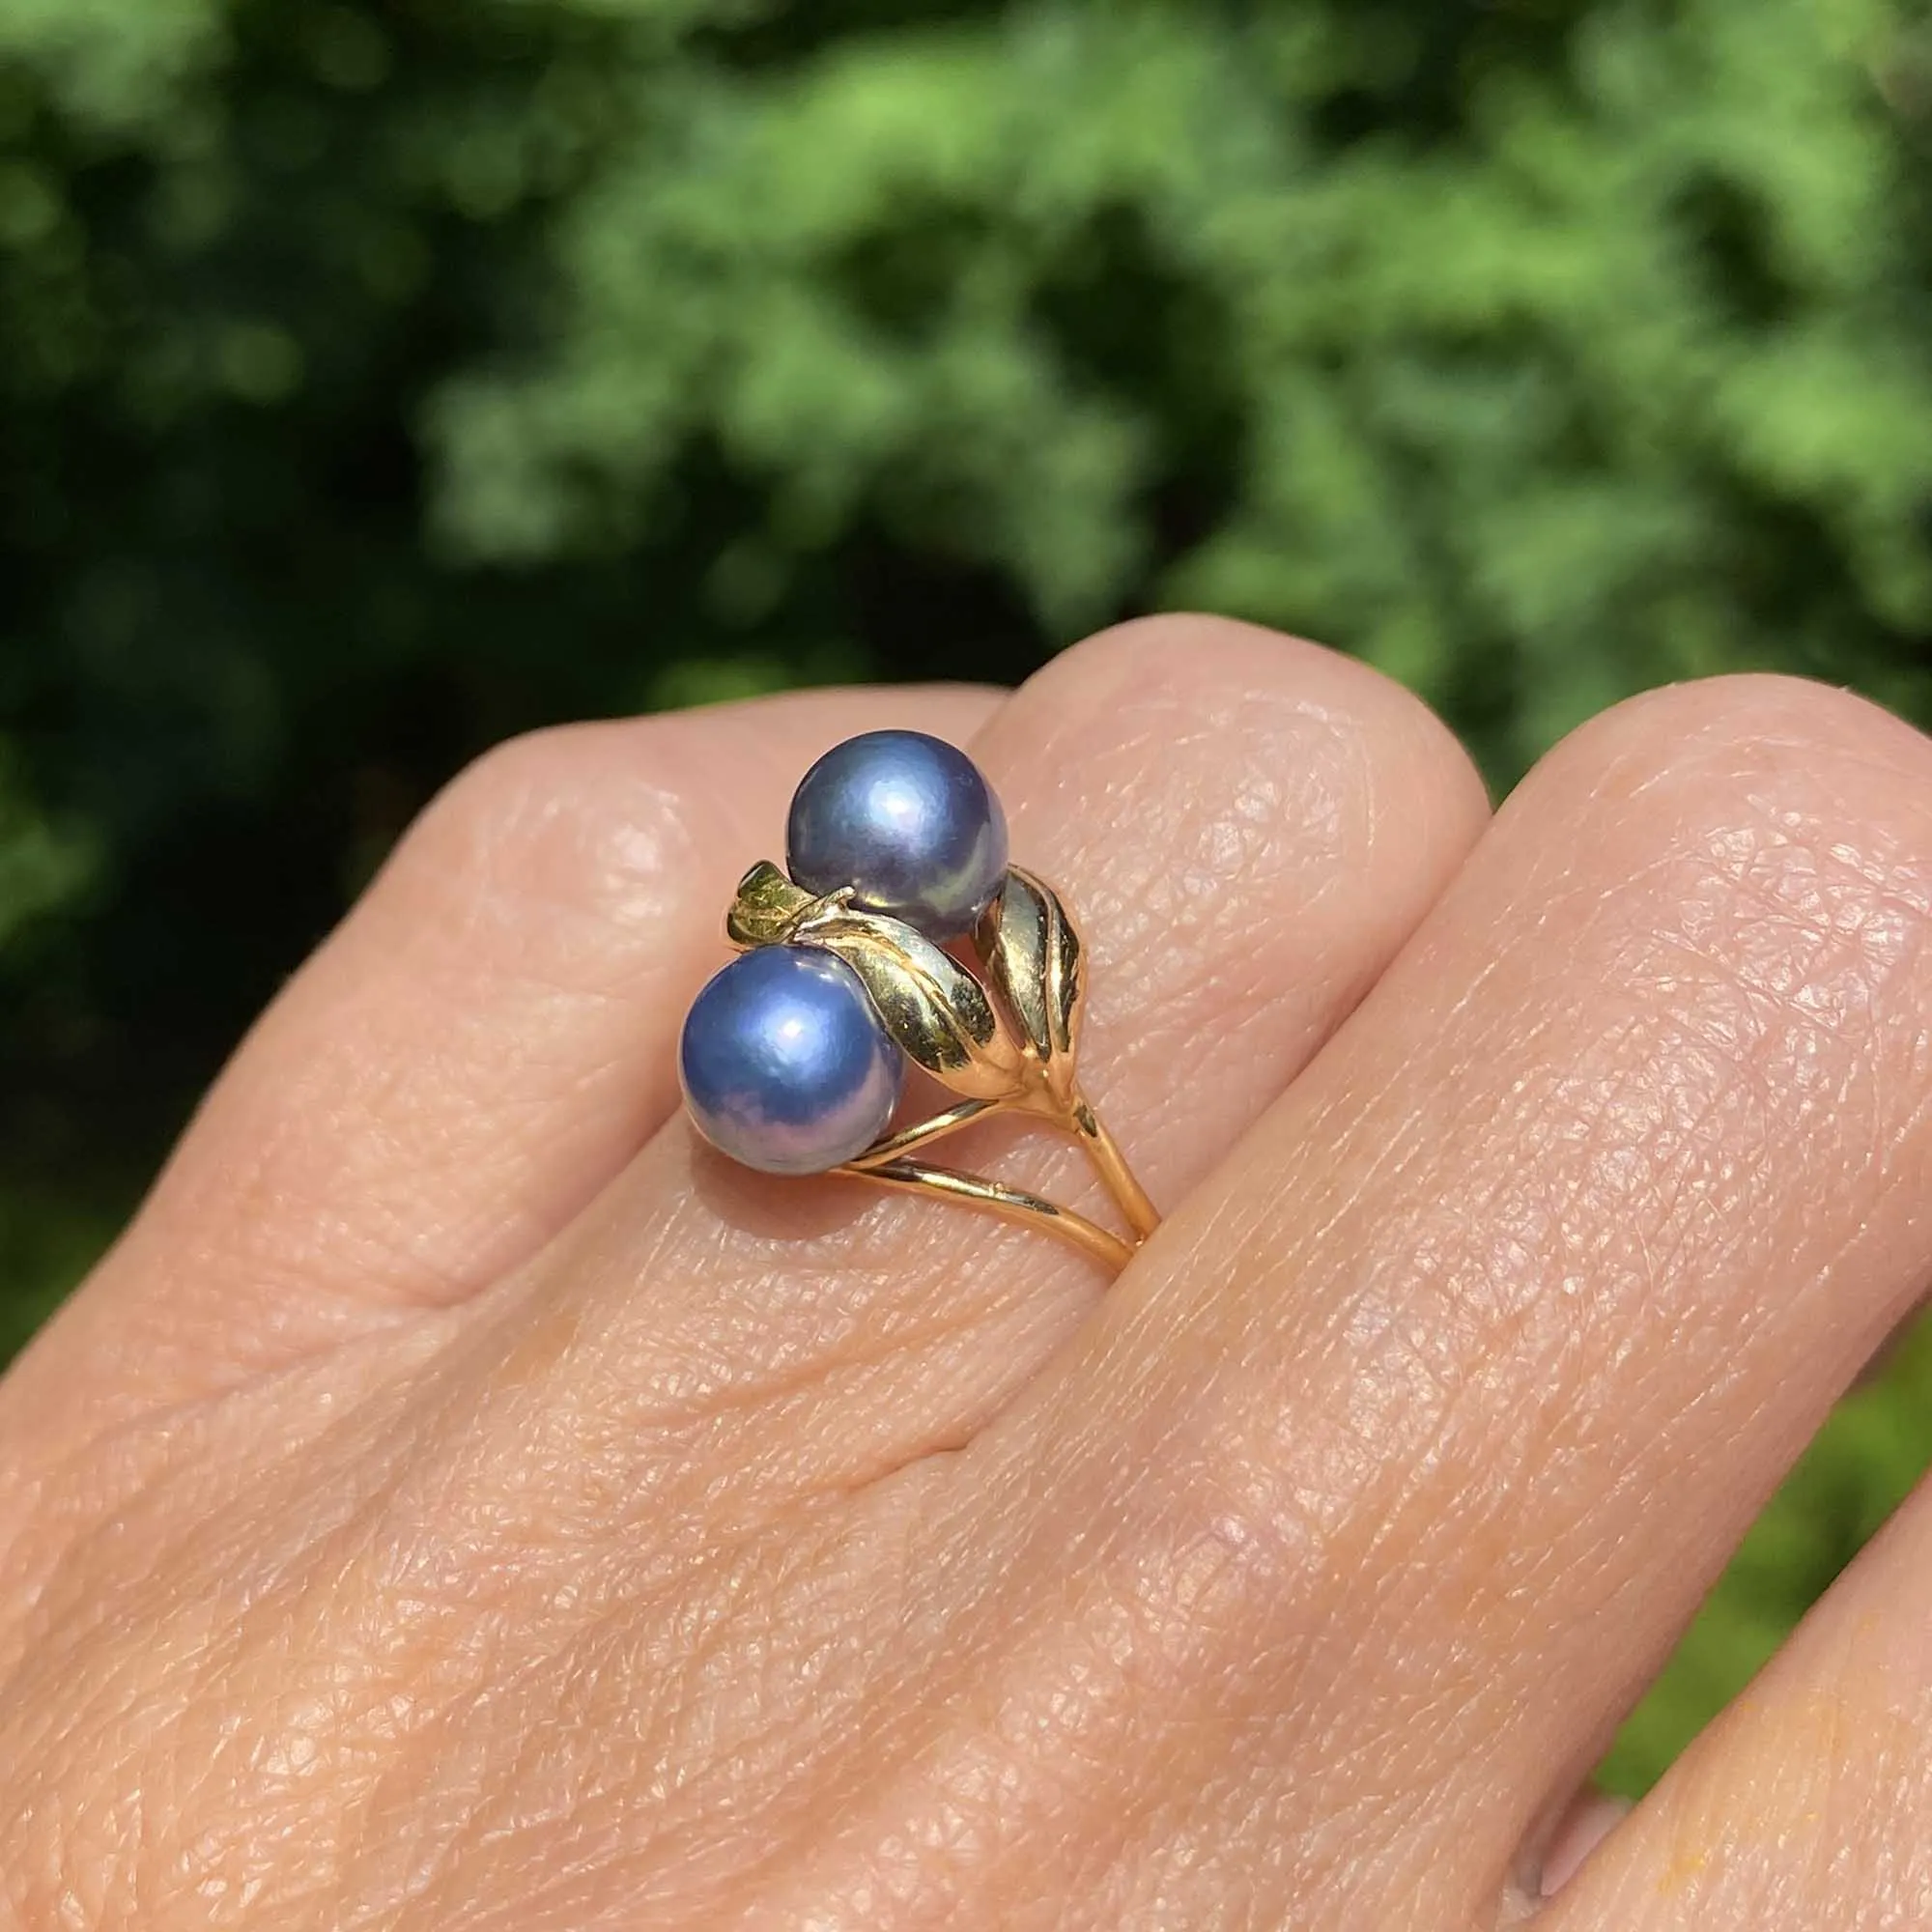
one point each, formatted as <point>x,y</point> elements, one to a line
<point>462,1501</point>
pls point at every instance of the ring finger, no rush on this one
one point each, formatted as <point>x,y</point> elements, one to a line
<point>1214,801</point>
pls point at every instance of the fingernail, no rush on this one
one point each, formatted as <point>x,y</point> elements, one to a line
<point>1591,1818</point>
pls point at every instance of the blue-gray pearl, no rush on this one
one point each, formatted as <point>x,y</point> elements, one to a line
<point>785,1065</point>
<point>908,822</point>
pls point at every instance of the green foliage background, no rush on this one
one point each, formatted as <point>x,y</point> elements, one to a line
<point>379,377</point>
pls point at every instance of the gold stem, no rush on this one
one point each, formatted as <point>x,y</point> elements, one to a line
<point>909,1139</point>
<point>1111,1165</point>
<point>1012,1203</point>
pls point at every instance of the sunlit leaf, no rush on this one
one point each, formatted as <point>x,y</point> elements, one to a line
<point>765,908</point>
<point>936,1010</point>
<point>1034,960</point>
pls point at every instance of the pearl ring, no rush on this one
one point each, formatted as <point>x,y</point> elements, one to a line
<point>793,1058</point>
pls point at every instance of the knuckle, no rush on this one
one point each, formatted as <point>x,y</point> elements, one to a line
<point>1280,765</point>
<point>1796,753</point>
<point>506,789</point>
<point>1188,659</point>
<point>501,782</point>
<point>566,816</point>
<point>492,803</point>
<point>1771,832</point>
<point>1726,901</point>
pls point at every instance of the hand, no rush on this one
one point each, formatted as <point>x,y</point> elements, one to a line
<point>464,1501</point>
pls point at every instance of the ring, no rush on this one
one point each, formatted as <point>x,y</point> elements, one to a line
<point>793,1058</point>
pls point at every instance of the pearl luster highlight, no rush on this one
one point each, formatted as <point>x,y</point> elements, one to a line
<point>908,822</point>
<point>785,1065</point>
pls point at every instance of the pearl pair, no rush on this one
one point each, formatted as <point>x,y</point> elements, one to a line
<point>793,1057</point>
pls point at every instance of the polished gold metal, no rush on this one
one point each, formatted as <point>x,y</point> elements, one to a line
<point>1005,1044</point>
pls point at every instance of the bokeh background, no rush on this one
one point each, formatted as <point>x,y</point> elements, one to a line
<point>381,378</point>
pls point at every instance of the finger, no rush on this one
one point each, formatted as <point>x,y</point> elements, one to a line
<point>1808,1802</point>
<point>1424,1426</point>
<point>480,1047</point>
<point>1217,802</point>
<point>1222,808</point>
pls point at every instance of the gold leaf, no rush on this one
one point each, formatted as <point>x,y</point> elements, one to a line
<point>1034,960</point>
<point>765,908</point>
<point>936,1010</point>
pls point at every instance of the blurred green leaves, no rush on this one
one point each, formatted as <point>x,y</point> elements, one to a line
<point>1611,365</point>
<point>43,865</point>
<point>111,68</point>
<point>380,379</point>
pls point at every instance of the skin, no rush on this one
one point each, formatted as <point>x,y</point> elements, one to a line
<point>462,1501</point>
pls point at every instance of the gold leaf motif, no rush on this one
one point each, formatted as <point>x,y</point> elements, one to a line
<point>936,1010</point>
<point>1034,958</point>
<point>766,907</point>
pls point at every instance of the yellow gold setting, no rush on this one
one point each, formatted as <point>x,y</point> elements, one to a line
<point>1004,1041</point>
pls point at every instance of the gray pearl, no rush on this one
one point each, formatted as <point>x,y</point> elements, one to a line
<point>785,1065</point>
<point>909,823</point>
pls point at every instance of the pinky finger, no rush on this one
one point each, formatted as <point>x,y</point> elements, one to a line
<point>1807,1805</point>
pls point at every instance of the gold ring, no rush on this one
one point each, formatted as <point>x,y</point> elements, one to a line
<point>793,1057</point>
